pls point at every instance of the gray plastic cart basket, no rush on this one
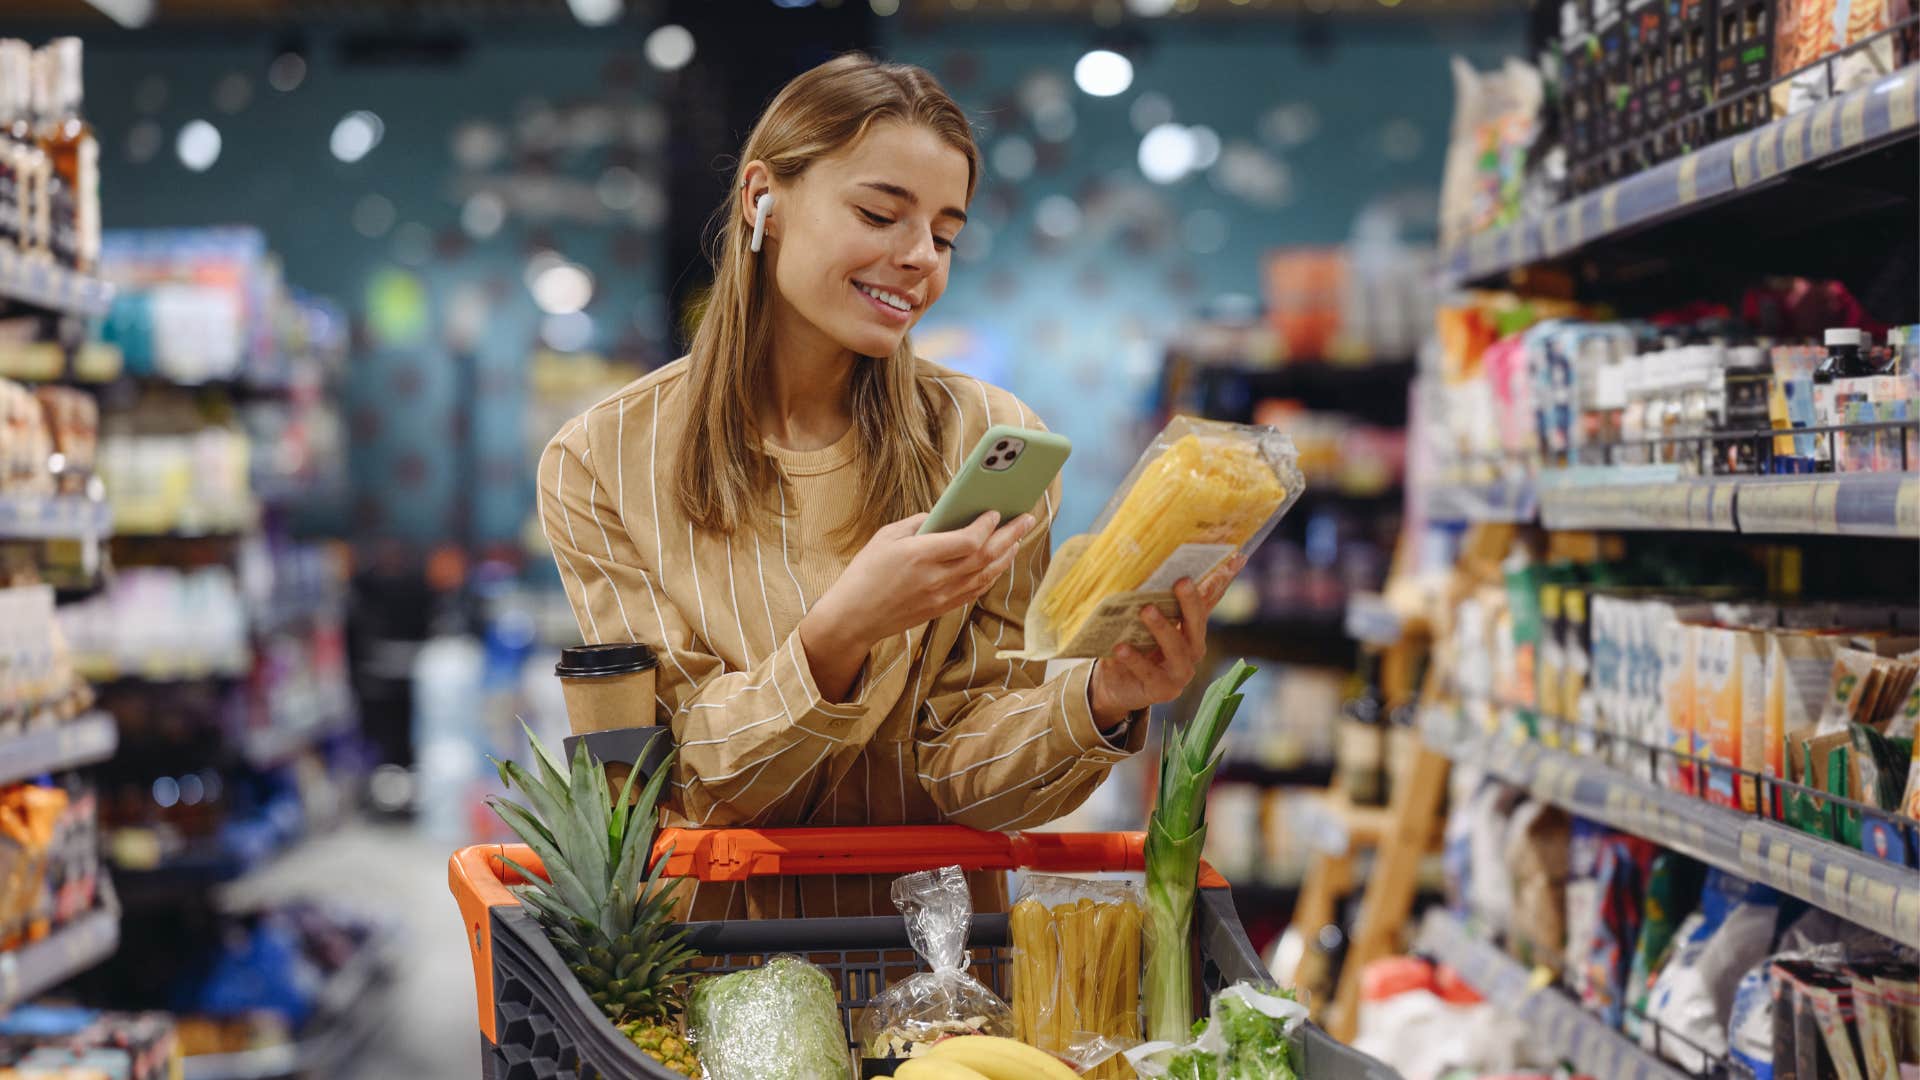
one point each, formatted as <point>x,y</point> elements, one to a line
<point>537,1023</point>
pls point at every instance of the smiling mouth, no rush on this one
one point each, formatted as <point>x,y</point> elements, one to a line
<point>885,299</point>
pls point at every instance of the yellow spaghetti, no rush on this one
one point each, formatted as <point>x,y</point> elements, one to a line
<point>1202,490</point>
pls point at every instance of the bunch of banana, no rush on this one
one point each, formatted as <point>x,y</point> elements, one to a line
<point>984,1057</point>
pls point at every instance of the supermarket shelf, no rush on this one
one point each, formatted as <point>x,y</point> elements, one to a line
<point>1577,1035</point>
<point>1833,504</point>
<point>1372,621</point>
<point>350,1009</point>
<point>1875,894</point>
<point>1229,391</point>
<point>33,969</point>
<point>1318,637</point>
<point>54,517</point>
<point>88,738</point>
<point>1312,774</point>
<point>267,747</point>
<point>42,284</point>
<point>1747,168</point>
<point>1512,499</point>
<point>1836,504</point>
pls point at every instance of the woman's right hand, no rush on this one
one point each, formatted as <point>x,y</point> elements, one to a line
<point>901,580</point>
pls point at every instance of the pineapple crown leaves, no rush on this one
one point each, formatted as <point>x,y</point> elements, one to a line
<point>603,881</point>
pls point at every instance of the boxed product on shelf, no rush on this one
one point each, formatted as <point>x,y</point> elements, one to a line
<point>1807,32</point>
<point>29,819</point>
<point>192,479</point>
<point>36,664</point>
<point>161,622</point>
<point>55,1041</point>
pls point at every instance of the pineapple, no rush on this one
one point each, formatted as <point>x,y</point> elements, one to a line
<point>602,905</point>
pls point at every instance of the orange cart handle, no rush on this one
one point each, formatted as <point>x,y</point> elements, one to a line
<point>481,872</point>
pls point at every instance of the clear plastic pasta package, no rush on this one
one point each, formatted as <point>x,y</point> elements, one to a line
<point>1203,491</point>
<point>913,1014</point>
<point>1075,977</point>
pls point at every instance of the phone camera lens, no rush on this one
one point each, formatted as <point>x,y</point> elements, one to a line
<point>1001,445</point>
<point>1011,454</point>
<point>993,460</point>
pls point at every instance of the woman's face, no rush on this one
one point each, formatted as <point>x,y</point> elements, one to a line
<point>862,240</point>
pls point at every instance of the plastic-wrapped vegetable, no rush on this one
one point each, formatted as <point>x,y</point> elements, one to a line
<point>1248,1036</point>
<point>918,1011</point>
<point>779,1021</point>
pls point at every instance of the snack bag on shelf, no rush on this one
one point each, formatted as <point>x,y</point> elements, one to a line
<point>1076,968</point>
<point>1202,492</point>
<point>913,1014</point>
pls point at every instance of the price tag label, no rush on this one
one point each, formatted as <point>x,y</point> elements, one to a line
<point>1853,121</point>
<point>1871,900</point>
<point>1753,860</point>
<point>9,978</point>
<point>1577,223</point>
<point>1906,914</point>
<point>1823,129</point>
<point>1826,507</point>
<point>1610,208</point>
<point>1516,245</point>
<point>1766,152</point>
<point>1743,161</point>
<point>1835,882</point>
<point>1800,874</point>
<point>1779,873</point>
<point>1689,178</point>
<point>1793,142</point>
<point>1906,507</point>
<point>1903,98</point>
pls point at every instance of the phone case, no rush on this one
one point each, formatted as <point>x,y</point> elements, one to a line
<point>987,482</point>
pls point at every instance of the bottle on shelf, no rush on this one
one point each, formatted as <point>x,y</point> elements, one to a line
<point>1362,753</point>
<point>27,163</point>
<point>73,155</point>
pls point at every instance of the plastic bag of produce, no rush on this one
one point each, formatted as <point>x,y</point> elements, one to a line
<point>779,1021</point>
<point>916,1012</point>
<point>1202,492</point>
<point>1076,969</point>
<point>1248,1035</point>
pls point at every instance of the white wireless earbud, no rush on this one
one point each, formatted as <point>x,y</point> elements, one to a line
<point>760,207</point>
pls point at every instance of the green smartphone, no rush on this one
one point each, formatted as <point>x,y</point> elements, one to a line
<point>1008,471</point>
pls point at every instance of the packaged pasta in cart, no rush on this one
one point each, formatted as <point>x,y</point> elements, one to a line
<point>913,1014</point>
<point>1075,977</point>
<point>1203,491</point>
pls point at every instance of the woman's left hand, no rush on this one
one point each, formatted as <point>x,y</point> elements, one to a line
<point>1130,679</point>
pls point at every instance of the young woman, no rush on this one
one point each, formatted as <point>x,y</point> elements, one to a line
<point>749,511</point>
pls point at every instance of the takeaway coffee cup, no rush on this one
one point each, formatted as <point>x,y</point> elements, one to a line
<point>608,686</point>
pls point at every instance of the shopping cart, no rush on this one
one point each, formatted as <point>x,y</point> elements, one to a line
<point>536,1021</point>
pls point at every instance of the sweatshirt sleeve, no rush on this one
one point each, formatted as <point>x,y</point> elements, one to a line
<point>998,748</point>
<point>752,742</point>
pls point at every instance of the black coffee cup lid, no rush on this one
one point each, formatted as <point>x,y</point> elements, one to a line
<point>613,658</point>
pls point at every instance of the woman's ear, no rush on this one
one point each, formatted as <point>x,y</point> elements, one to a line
<point>756,180</point>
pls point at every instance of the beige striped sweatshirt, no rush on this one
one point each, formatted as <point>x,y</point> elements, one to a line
<point>935,729</point>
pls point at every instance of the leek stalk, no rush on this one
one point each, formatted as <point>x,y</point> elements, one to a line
<point>1176,832</point>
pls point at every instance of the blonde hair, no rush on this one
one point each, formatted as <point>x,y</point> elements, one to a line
<point>724,472</point>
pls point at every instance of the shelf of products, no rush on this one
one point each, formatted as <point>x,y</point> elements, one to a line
<point>1880,895</point>
<point>58,746</point>
<point>70,949</point>
<point>55,517</point>
<point>349,1008</point>
<point>1689,422</point>
<point>40,283</point>
<point>1873,116</point>
<point>63,1041</point>
<point>1559,1022</point>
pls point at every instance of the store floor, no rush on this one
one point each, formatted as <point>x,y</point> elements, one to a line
<point>429,1031</point>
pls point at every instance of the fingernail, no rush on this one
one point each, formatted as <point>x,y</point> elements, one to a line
<point>1027,523</point>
